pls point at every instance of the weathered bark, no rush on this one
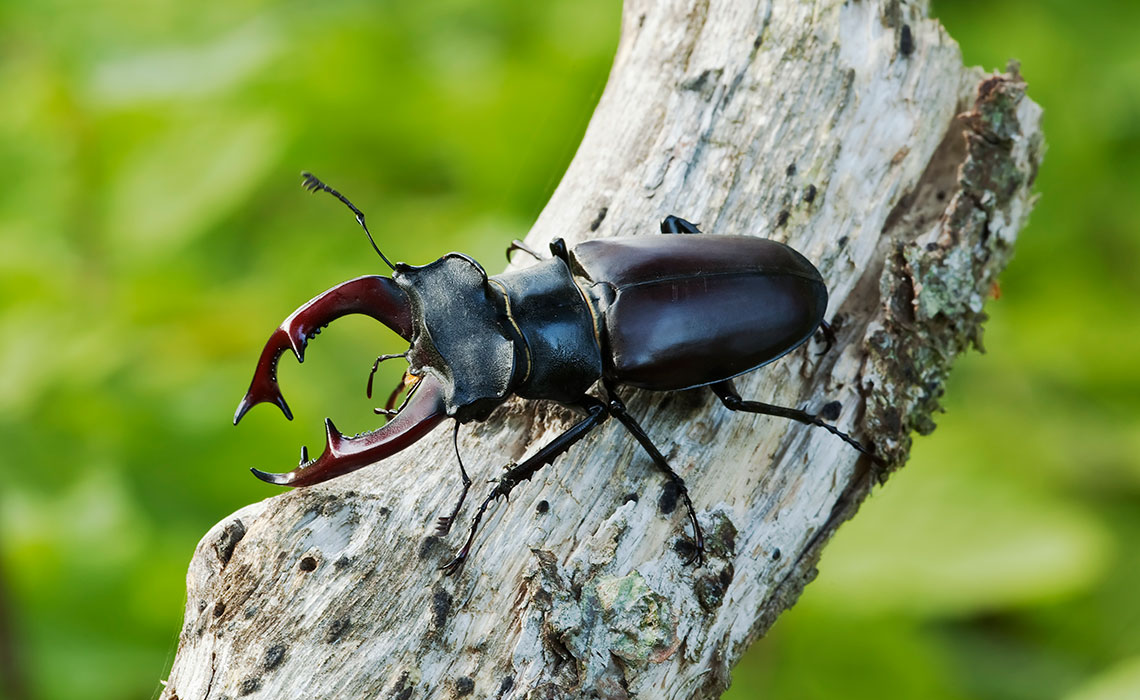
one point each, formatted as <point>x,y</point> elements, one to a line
<point>847,128</point>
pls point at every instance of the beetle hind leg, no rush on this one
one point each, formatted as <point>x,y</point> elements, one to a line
<point>828,334</point>
<point>675,224</point>
<point>617,410</point>
<point>732,401</point>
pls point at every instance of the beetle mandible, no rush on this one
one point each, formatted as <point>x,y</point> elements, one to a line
<point>662,313</point>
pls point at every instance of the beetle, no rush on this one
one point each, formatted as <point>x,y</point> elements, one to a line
<point>660,312</point>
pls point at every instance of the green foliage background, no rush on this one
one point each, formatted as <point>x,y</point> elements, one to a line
<point>152,232</point>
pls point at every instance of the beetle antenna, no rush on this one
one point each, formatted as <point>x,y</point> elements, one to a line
<point>313,184</point>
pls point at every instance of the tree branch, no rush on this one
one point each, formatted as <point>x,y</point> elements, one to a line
<point>848,129</point>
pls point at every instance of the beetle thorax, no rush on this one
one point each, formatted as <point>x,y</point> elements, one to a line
<point>459,334</point>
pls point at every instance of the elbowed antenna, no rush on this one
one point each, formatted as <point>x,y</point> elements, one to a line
<point>313,184</point>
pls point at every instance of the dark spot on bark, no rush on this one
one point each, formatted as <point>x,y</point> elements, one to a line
<point>840,243</point>
<point>757,41</point>
<point>791,169</point>
<point>941,195</point>
<point>630,498</point>
<point>506,685</point>
<point>599,218</point>
<point>274,655</point>
<point>342,563</point>
<point>249,685</point>
<point>830,411</point>
<point>668,501</point>
<point>441,602</point>
<point>782,219</point>
<point>698,83</point>
<point>641,21</point>
<point>776,554</point>
<point>384,511</point>
<point>401,691</point>
<point>542,507</point>
<point>906,41</point>
<point>684,547</point>
<point>710,589</point>
<point>231,535</point>
<point>464,685</point>
<point>809,193</point>
<point>931,247</point>
<point>219,609</point>
<point>201,605</point>
<point>337,629</point>
<point>430,545</point>
<point>308,564</point>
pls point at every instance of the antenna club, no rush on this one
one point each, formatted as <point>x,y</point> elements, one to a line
<point>313,184</point>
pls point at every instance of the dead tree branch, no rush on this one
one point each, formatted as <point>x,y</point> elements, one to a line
<point>847,128</point>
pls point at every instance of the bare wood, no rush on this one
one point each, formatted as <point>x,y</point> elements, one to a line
<point>847,128</point>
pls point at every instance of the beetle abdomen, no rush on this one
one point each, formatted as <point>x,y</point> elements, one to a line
<point>686,311</point>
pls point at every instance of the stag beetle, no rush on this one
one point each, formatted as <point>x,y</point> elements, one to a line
<point>662,313</point>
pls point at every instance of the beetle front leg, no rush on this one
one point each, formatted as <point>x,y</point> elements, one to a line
<point>617,410</point>
<point>525,471</point>
<point>732,401</point>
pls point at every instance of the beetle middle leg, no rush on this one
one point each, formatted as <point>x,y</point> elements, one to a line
<point>525,471</point>
<point>617,410</point>
<point>732,401</point>
<point>444,525</point>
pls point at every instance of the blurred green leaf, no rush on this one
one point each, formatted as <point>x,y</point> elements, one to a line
<point>991,542</point>
<point>1121,682</point>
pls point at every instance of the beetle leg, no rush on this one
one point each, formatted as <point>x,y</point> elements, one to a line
<point>424,410</point>
<point>372,295</point>
<point>519,245</point>
<point>559,250</point>
<point>732,401</point>
<point>617,410</point>
<point>675,224</point>
<point>828,334</point>
<point>376,366</point>
<point>523,472</point>
<point>444,525</point>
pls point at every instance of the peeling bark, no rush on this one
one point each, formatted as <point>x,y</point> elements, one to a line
<point>849,130</point>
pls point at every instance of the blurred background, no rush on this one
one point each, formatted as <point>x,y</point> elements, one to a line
<point>152,231</point>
